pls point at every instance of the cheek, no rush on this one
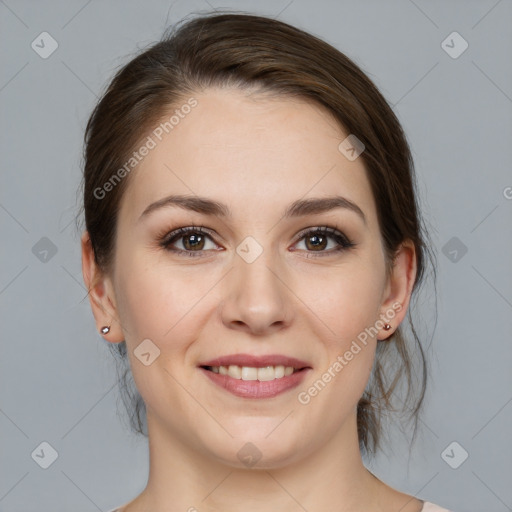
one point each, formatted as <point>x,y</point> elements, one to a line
<point>350,311</point>
<point>345,301</point>
<point>344,307</point>
<point>156,300</point>
<point>348,308</point>
<point>159,302</point>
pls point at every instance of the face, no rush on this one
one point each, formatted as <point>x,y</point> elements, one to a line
<point>261,278</point>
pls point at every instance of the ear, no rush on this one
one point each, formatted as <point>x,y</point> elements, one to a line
<point>397,294</point>
<point>101,293</point>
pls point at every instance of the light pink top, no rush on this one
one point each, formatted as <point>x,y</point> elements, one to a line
<point>427,507</point>
<point>430,507</point>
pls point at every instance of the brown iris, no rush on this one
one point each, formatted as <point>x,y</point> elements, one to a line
<point>318,241</point>
<point>193,241</point>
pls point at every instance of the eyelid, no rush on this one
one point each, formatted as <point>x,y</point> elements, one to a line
<point>168,237</point>
<point>313,229</point>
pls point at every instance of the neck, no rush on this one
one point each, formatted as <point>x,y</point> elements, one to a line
<point>330,478</point>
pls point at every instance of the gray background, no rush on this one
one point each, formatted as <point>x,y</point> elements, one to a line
<point>57,380</point>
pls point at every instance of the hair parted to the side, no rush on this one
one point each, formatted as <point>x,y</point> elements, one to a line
<point>258,53</point>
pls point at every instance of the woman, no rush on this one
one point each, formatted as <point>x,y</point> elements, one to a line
<point>252,244</point>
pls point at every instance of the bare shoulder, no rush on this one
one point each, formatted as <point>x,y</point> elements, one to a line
<point>390,499</point>
<point>405,503</point>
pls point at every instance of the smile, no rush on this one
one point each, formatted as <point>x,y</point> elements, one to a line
<point>251,376</point>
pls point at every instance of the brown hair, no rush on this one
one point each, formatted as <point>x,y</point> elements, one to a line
<point>246,51</point>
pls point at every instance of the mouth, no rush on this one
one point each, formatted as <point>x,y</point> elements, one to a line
<point>261,374</point>
<point>249,376</point>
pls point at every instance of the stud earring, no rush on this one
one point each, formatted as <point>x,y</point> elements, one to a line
<point>386,327</point>
<point>105,330</point>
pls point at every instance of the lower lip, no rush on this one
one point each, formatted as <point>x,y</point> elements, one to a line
<point>256,388</point>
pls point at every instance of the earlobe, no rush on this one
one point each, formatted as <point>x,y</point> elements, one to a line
<point>398,290</point>
<point>99,287</point>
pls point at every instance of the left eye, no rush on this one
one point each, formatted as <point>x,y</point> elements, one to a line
<point>317,240</point>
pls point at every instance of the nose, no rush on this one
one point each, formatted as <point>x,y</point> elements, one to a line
<point>256,298</point>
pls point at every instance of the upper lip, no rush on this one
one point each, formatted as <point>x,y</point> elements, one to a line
<point>256,361</point>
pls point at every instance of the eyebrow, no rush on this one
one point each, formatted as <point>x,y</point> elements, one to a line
<point>301,207</point>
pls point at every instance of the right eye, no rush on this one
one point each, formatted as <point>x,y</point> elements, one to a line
<point>192,239</point>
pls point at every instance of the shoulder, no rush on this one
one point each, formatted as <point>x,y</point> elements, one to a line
<point>430,507</point>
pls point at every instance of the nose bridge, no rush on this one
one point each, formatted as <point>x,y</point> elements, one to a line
<point>256,297</point>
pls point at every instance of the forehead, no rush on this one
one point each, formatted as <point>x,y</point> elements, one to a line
<point>249,150</point>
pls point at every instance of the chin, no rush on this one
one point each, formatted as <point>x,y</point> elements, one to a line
<point>260,448</point>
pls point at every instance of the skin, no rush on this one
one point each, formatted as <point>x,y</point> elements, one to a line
<point>255,154</point>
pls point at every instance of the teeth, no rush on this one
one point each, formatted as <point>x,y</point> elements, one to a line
<point>279,371</point>
<point>235,371</point>
<point>250,373</point>
<point>267,373</point>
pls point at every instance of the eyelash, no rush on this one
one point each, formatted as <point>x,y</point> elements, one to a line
<point>167,239</point>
